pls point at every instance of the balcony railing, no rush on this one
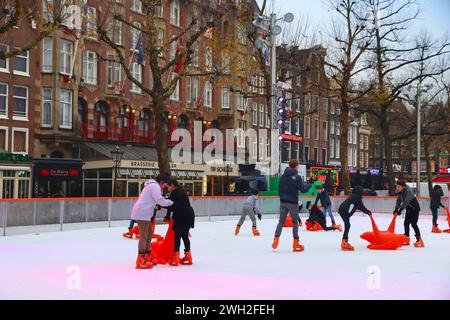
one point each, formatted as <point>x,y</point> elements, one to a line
<point>114,133</point>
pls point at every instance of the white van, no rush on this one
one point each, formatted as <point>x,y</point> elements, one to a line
<point>424,188</point>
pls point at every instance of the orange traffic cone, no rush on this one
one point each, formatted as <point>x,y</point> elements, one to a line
<point>288,222</point>
<point>448,219</point>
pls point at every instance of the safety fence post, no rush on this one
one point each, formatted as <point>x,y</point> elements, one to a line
<point>5,217</point>
<point>61,214</point>
<point>109,212</point>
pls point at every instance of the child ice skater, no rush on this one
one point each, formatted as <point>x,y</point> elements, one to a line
<point>324,198</point>
<point>347,209</point>
<point>407,201</point>
<point>143,212</point>
<point>317,216</point>
<point>435,203</point>
<point>250,209</point>
<point>183,219</point>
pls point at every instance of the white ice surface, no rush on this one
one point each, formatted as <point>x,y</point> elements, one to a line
<point>37,266</point>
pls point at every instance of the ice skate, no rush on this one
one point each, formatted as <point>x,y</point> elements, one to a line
<point>339,227</point>
<point>419,243</point>
<point>435,229</point>
<point>255,232</point>
<point>276,240</point>
<point>300,223</point>
<point>297,247</point>
<point>187,259</point>
<point>175,260</point>
<point>345,246</point>
<point>128,234</point>
<point>236,231</point>
<point>142,262</point>
<point>407,243</point>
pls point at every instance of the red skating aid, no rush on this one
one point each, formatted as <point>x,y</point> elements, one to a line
<point>384,240</point>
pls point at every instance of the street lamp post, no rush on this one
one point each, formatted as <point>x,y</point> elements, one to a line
<point>116,157</point>
<point>419,165</point>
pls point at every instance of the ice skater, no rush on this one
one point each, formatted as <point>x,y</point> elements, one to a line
<point>317,216</point>
<point>183,219</point>
<point>407,201</point>
<point>143,212</point>
<point>435,203</point>
<point>290,184</point>
<point>347,209</point>
<point>324,198</point>
<point>250,209</point>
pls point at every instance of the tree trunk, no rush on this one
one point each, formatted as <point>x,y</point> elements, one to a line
<point>162,149</point>
<point>344,148</point>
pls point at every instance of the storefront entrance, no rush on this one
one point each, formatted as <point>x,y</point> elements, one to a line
<point>15,182</point>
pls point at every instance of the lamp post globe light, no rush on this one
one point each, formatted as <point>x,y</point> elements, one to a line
<point>116,157</point>
<point>269,25</point>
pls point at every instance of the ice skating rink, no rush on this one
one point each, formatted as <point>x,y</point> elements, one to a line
<point>99,264</point>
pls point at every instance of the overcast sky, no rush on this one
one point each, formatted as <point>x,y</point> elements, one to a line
<point>434,15</point>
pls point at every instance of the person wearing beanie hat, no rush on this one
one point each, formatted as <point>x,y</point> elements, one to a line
<point>347,209</point>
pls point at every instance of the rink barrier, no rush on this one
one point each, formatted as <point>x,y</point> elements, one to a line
<point>43,211</point>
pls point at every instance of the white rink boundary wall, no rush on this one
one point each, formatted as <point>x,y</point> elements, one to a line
<point>41,212</point>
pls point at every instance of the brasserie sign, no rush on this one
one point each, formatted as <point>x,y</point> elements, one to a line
<point>12,157</point>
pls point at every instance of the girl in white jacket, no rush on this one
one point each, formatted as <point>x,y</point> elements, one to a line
<point>143,211</point>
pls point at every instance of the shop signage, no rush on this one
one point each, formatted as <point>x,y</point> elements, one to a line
<point>58,172</point>
<point>12,157</point>
<point>443,154</point>
<point>443,170</point>
<point>374,172</point>
<point>291,137</point>
<point>148,164</point>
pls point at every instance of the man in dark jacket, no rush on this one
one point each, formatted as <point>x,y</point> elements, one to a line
<point>407,201</point>
<point>435,203</point>
<point>290,184</point>
<point>347,209</point>
<point>316,215</point>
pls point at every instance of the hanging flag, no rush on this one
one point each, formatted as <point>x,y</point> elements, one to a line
<point>266,54</point>
<point>179,66</point>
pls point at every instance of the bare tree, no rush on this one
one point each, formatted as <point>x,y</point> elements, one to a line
<point>45,20</point>
<point>351,39</point>
<point>398,63</point>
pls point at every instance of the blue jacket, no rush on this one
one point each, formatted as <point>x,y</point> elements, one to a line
<point>290,184</point>
<point>324,199</point>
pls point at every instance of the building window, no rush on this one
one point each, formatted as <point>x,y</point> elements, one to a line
<point>308,101</point>
<point>316,126</point>
<point>242,125</point>
<point>324,156</point>
<point>20,102</point>
<point>136,5</point>
<point>325,130</point>
<point>21,63</point>
<point>20,140</point>
<point>192,91</point>
<point>195,54</point>
<point>159,10</point>
<point>255,114</point>
<point>262,147</point>
<point>65,109</point>
<point>332,148</point>
<point>338,149</point>
<point>47,107</point>
<point>355,158</point>
<point>3,100</point>
<point>366,142</point>
<point>4,63</point>
<point>254,147</point>
<point>136,72</point>
<point>91,23</point>
<point>240,102</point>
<point>90,67</point>
<point>307,127</point>
<point>47,55</point>
<point>338,128</point>
<point>4,138</point>
<point>261,115</point>
<point>175,13</point>
<point>135,35</point>
<point>208,59</point>
<point>316,155</point>
<point>267,117</point>
<point>66,52</point>
<point>114,72</point>
<point>208,94</point>
<point>306,154</point>
<point>114,31</point>
<point>225,98</point>
<point>175,96</point>
<point>160,42</point>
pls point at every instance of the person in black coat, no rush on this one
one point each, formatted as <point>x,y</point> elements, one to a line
<point>347,209</point>
<point>183,219</point>
<point>316,215</point>
<point>435,203</point>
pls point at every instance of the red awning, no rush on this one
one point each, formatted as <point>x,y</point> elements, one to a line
<point>442,179</point>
